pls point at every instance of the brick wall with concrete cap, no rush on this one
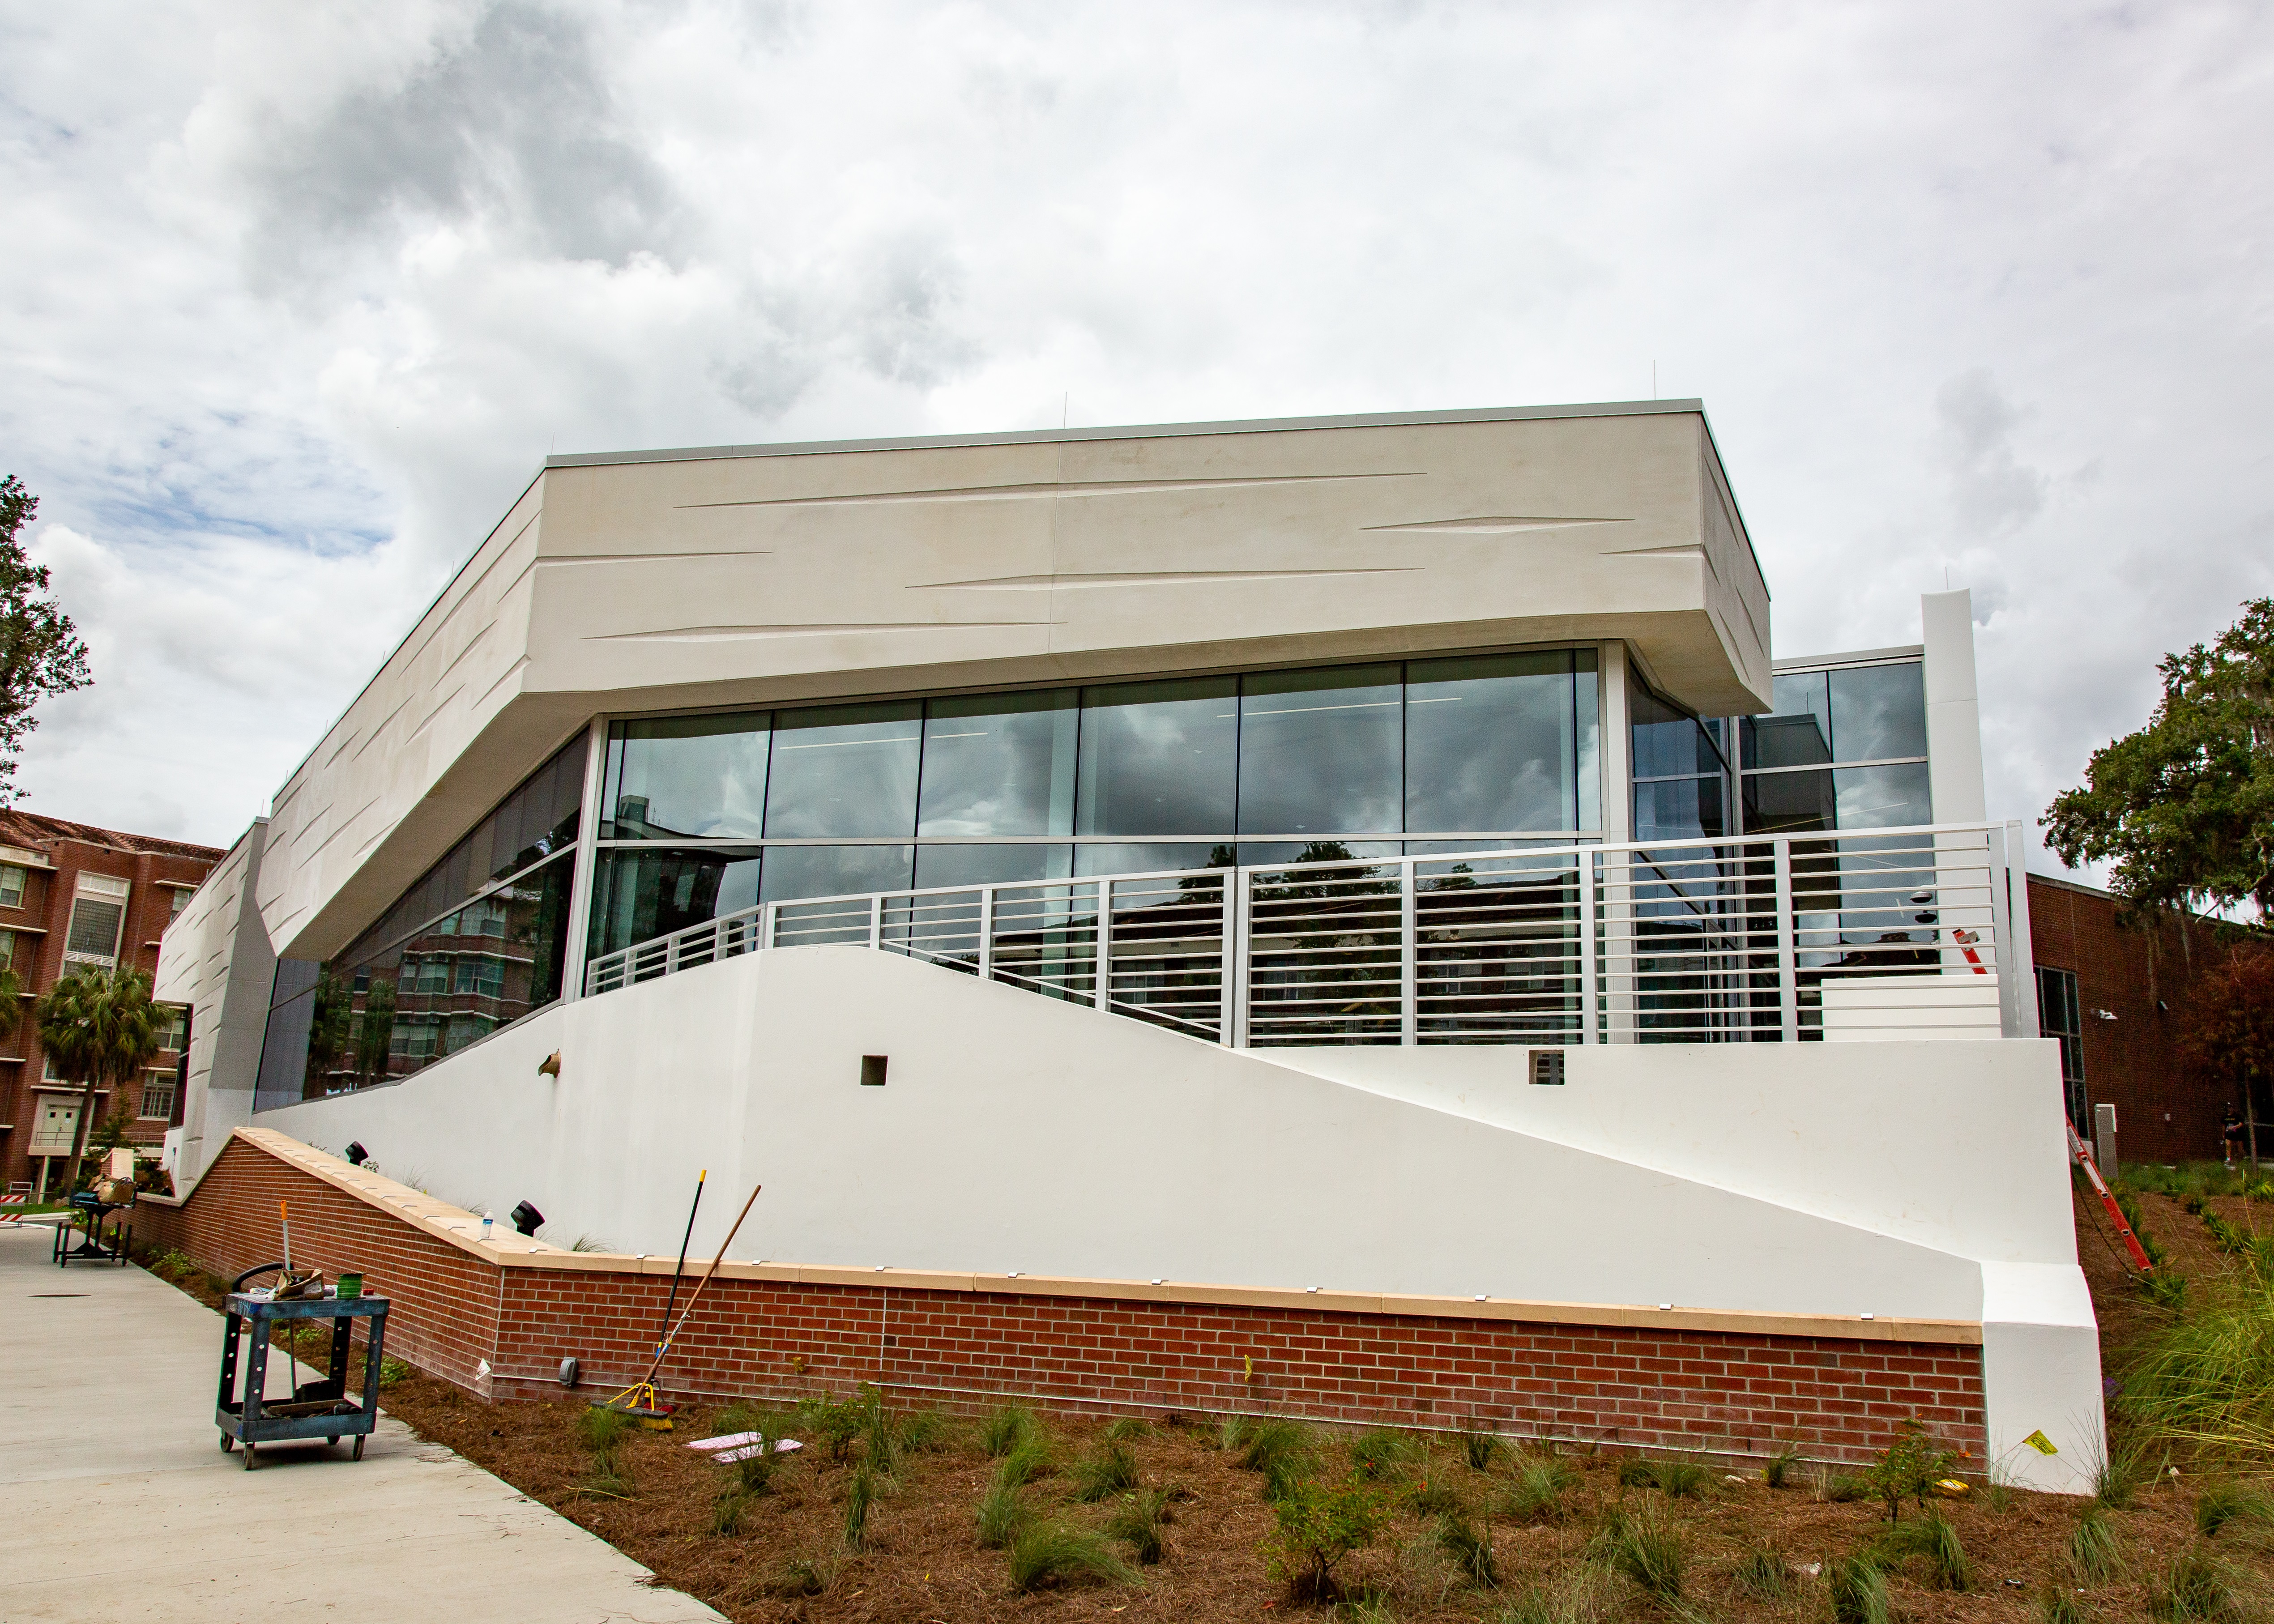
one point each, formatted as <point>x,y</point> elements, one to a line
<point>1731,1178</point>
<point>763,576</point>
<point>497,1316</point>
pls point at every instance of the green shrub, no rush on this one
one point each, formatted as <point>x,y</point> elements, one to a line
<point>1469,1547</point>
<point>602,1430</point>
<point>1643,1547</point>
<point>860,1496</point>
<point>2195,1584</point>
<point>1684,1479</point>
<point>1777,1471</point>
<point>1760,1573</point>
<point>806,1576</point>
<point>2118,1478</point>
<point>2166,1289</point>
<point>836,1424</point>
<point>1130,1429</point>
<point>1138,1521</point>
<point>1536,1489</point>
<point>726,1511</point>
<point>1006,1429</point>
<point>1908,1467</point>
<point>2092,1554</point>
<point>1859,1592</point>
<point>1046,1554</point>
<point>1481,1450</point>
<point>1433,1497</point>
<point>1105,1472</point>
<point>392,1370</point>
<point>1283,1452</point>
<point>1934,1542</point>
<point>1030,1461</point>
<point>1383,1454</point>
<point>2225,1504</point>
<point>1569,1602</point>
<point>1231,1431</point>
<point>1320,1525</point>
<point>2059,1605</point>
<point>2206,1379</point>
<point>1002,1514</point>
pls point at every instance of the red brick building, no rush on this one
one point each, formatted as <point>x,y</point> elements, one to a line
<point>71,894</point>
<point>2117,999</point>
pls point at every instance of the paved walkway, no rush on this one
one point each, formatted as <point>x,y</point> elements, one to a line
<point>117,1503</point>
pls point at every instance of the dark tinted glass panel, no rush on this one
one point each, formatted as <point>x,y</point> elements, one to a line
<point>1799,734</point>
<point>1585,707</point>
<point>1679,809</point>
<point>642,892</point>
<point>1140,858</point>
<point>460,978</point>
<point>845,770</point>
<point>1320,751</point>
<point>1159,758</point>
<point>1492,743</point>
<point>1003,765</point>
<point>1879,711</point>
<point>1667,743</point>
<point>794,871</point>
<point>1879,797</point>
<point>1789,802</point>
<point>681,776</point>
<point>991,865</point>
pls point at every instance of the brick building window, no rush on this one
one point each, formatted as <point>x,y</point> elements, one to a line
<point>158,1095</point>
<point>2061,1016</point>
<point>7,950</point>
<point>11,886</point>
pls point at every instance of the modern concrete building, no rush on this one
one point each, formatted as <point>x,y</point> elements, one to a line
<point>1373,866</point>
<point>71,894</point>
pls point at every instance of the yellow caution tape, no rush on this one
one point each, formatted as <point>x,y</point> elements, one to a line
<point>2042,1443</point>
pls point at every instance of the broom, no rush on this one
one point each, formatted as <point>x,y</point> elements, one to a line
<point>641,1401</point>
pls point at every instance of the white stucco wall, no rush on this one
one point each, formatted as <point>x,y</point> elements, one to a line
<point>214,958</point>
<point>1019,1133</point>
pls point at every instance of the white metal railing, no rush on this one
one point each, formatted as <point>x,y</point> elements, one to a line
<point>1919,931</point>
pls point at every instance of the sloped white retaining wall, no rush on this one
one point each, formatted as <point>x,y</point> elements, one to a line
<point>1917,1180</point>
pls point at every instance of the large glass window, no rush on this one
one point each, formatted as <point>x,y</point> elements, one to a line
<point>1157,758</point>
<point>1116,778</point>
<point>2062,1018</point>
<point>1681,783</point>
<point>686,777</point>
<point>418,986</point>
<point>1320,755</point>
<point>1798,779</point>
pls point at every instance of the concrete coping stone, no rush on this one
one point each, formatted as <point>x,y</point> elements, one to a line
<point>508,1250</point>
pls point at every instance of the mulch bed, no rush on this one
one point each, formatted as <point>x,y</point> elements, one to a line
<point>925,1560</point>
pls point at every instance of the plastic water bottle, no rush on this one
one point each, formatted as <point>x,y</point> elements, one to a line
<point>487,1222</point>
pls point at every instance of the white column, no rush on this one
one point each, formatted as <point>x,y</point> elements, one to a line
<point>1953,709</point>
<point>1616,892</point>
<point>585,862</point>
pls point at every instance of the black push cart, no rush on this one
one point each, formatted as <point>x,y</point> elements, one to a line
<point>320,1409</point>
<point>92,1213</point>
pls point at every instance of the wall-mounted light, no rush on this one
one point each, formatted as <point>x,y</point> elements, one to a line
<point>2106,1014</point>
<point>551,1066</point>
<point>526,1218</point>
<point>357,1153</point>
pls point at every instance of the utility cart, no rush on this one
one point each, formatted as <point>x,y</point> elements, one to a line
<point>320,1409</point>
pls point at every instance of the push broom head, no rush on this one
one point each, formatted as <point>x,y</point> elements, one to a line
<point>643,1403</point>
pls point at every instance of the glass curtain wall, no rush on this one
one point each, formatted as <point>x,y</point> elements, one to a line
<point>703,815</point>
<point>478,943</point>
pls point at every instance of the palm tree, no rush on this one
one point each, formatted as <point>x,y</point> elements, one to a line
<point>96,1026</point>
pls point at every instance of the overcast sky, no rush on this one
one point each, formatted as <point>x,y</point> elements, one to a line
<point>297,298</point>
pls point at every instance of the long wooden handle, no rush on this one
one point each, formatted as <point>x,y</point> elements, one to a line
<point>696,1295</point>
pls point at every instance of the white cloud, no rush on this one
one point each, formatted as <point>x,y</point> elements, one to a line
<point>302,295</point>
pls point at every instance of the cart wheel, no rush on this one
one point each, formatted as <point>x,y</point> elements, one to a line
<point>227,1443</point>
<point>332,1442</point>
<point>358,1453</point>
<point>248,1456</point>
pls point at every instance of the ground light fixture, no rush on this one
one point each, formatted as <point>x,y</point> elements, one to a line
<point>526,1218</point>
<point>357,1154</point>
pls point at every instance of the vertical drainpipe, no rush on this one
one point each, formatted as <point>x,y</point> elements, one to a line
<point>587,860</point>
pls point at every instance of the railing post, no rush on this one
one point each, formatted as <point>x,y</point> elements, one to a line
<point>1237,953</point>
<point>1226,984</point>
<point>1788,947</point>
<point>1408,956</point>
<point>1104,955</point>
<point>877,920</point>
<point>987,933</point>
<point>1590,985</point>
<point>769,922</point>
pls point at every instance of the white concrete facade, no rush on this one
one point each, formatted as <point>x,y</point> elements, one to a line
<point>1017,1132</point>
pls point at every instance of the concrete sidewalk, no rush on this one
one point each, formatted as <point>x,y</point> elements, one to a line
<point>120,1504</point>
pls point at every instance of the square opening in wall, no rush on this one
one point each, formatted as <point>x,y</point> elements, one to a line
<point>1548,1067</point>
<point>872,1071</point>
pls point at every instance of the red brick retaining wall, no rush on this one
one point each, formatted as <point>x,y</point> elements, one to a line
<point>1836,1398</point>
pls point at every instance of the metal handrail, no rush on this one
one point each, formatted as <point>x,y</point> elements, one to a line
<point>1762,938</point>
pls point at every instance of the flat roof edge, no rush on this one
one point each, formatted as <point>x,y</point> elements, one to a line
<point>1141,431</point>
<point>1849,656</point>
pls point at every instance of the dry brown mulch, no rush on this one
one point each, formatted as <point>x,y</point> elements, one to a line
<point>925,1560</point>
